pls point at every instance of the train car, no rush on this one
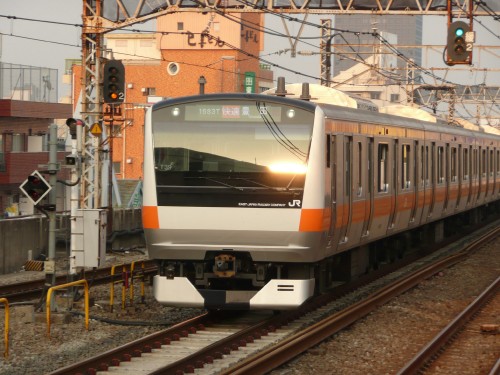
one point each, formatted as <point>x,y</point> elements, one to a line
<point>258,201</point>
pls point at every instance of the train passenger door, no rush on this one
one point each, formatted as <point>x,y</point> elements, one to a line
<point>382,190</point>
<point>338,222</point>
<point>365,233</point>
<point>344,174</point>
<point>415,183</point>
<point>357,195</point>
<point>404,181</point>
<point>394,160</point>
<point>482,176</point>
<point>475,176</point>
<point>427,176</point>
<point>491,177</point>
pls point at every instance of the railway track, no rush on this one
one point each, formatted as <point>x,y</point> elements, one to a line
<point>451,333</point>
<point>254,348</point>
<point>28,290</point>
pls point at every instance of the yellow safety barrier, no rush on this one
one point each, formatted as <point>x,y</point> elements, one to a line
<point>6,304</point>
<point>62,286</point>
<point>127,281</point>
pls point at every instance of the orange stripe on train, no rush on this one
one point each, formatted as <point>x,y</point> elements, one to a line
<point>314,219</point>
<point>150,217</point>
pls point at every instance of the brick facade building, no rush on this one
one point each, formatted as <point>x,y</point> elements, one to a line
<point>170,63</point>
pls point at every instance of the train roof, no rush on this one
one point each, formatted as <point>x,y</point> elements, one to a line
<point>336,112</point>
<point>234,96</point>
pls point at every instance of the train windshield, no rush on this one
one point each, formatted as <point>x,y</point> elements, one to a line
<point>233,149</point>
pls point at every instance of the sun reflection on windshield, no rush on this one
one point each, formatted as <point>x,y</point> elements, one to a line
<point>292,168</point>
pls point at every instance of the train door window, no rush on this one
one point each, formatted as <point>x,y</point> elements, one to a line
<point>483,163</point>
<point>425,168</point>
<point>383,153</point>
<point>490,163</point>
<point>474,164</point>
<point>465,164</point>
<point>453,164</point>
<point>498,162</point>
<point>370,164</point>
<point>440,164</point>
<point>348,162</point>
<point>417,177</point>
<point>360,169</point>
<point>405,167</point>
<point>328,148</point>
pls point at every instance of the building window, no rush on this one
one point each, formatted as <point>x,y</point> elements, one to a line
<point>173,68</point>
<point>146,43</point>
<point>149,91</point>
<point>117,130</point>
<point>374,95</point>
<point>117,167</point>
<point>121,43</point>
<point>17,142</point>
<point>180,26</point>
<point>2,155</point>
<point>394,98</point>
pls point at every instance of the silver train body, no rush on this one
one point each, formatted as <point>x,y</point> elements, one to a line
<point>248,198</point>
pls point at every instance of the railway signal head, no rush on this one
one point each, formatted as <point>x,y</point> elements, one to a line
<point>458,47</point>
<point>114,82</point>
<point>35,187</point>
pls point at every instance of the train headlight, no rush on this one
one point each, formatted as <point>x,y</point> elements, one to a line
<point>176,111</point>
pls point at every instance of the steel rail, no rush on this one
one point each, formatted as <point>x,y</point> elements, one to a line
<point>25,290</point>
<point>133,349</point>
<point>427,353</point>
<point>289,348</point>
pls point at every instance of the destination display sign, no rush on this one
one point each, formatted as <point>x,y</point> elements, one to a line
<point>232,112</point>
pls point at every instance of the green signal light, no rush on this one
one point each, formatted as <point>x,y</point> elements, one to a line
<point>459,32</point>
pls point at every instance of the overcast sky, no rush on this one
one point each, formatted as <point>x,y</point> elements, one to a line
<point>28,42</point>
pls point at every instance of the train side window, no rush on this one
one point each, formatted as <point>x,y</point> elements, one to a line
<point>490,163</point>
<point>465,164</point>
<point>453,164</point>
<point>383,151</point>
<point>425,160</point>
<point>405,167</point>
<point>474,164</point>
<point>328,147</point>
<point>440,164</point>
<point>498,162</point>
<point>348,162</point>
<point>360,170</point>
<point>483,163</point>
<point>370,163</point>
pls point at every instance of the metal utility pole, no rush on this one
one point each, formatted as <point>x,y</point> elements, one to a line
<point>92,42</point>
<point>52,168</point>
<point>325,50</point>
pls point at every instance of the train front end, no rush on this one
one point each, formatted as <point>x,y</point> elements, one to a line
<point>225,209</point>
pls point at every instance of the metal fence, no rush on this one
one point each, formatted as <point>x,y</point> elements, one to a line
<point>28,83</point>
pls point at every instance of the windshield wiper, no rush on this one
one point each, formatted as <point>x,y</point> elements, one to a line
<point>291,182</point>
<point>219,182</point>
<point>257,183</point>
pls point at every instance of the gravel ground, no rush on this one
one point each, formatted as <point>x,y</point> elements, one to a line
<point>33,352</point>
<point>384,341</point>
<point>379,344</point>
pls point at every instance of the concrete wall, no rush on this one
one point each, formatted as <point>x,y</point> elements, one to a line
<point>17,237</point>
<point>20,235</point>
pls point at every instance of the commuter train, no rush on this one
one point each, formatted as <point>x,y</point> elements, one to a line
<point>256,201</point>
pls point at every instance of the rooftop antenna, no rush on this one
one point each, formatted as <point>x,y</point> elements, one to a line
<point>280,89</point>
